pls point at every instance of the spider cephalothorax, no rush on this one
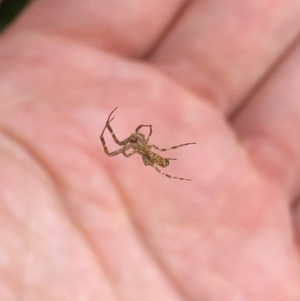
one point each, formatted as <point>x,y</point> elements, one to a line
<point>138,143</point>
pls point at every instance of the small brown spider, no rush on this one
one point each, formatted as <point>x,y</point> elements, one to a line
<point>139,144</point>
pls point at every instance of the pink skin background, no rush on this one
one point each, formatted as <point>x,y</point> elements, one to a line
<point>78,225</point>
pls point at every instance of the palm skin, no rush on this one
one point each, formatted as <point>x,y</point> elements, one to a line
<point>78,225</point>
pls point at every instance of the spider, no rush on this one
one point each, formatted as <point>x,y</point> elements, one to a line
<point>139,144</point>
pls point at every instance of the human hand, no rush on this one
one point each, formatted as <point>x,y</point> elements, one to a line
<point>78,225</point>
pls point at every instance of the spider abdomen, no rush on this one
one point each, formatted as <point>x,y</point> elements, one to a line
<point>159,160</point>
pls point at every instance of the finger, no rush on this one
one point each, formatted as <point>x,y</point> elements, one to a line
<point>124,26</point>
<point>222,49</point>
<point>269,126</point>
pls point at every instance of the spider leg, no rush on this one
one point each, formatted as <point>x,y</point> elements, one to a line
<point>167,175</point>
<point>108,121</point>
<point>107,125</point>
<point>127,147</point>
<point>121,150</point>
<point>114,153</point>
<point>125,141</point>
<point>111,154</point>
<point>144,125</point>
<point>173,147</point>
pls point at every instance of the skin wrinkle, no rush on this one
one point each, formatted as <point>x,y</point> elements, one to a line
<point>143,241</point>
<point>295,212</point>
<point>269,72</point>
<point>89,30</point>
<point>149,252</point>
<point>61,195</point>
<point>12,278</point>
<point>168,28</point>
<point>172,282</point>
<point>33,155</point>
<point>23,226</point>
<point>275,109</point>
<point>156,258</point>
<point>277,173</point>
<point>147,246</point>
<point>255,18</point>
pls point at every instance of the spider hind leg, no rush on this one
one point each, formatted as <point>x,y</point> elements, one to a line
<point>169,176</point>
<point>144,125</point>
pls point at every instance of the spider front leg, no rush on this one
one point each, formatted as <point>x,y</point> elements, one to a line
<point>125,143</point>
<point>107,125</point>
<point>144,125</point>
